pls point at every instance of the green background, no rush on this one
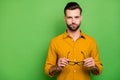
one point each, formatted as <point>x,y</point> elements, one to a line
<point>27,26</point>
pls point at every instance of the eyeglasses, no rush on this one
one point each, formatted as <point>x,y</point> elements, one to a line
<point>74,62</point>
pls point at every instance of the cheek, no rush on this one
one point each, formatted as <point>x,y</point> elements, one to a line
<point>68,21</point>
<point>78,21</point>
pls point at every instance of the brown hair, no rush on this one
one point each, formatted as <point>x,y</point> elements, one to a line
<point>72,6</point>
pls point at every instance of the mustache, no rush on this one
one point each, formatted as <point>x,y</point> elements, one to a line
<point>73,24</point>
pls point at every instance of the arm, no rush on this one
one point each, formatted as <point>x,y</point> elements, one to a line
<point>93,62</point>
<point>97,69</point>
<point>62,62</point>
<point>51,58</point>
<point>54,70</point>
<point>89,64</point>
<point>54,65</point>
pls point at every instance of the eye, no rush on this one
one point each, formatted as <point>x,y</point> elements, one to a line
<point>69,17</point>
<point>77,16</point>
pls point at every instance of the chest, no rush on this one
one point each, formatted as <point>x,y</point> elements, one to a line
<point>74,50</point>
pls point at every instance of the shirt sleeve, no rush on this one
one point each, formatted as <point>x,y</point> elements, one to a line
<point>51,57</point>
<point>95,55</point>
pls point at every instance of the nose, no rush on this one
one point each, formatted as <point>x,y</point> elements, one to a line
<point>73,20</point>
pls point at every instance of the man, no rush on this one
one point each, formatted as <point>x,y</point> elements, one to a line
<point>73,55</point>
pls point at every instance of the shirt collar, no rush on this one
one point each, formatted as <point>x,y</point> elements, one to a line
<point>65,35</point>
<point>82,35</point>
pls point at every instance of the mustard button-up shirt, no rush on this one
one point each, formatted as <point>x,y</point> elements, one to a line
<point>76,51</point>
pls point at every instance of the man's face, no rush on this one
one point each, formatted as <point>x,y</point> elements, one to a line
<point>73,19</point>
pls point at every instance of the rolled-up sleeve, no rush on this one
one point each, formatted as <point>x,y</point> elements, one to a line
<point>95,55</point>
<point>51,58</point>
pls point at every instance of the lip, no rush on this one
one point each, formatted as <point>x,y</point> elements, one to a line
<point>73,25</point>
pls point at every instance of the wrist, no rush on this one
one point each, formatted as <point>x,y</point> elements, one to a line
<point>94,67</point>
<point>54,70</point>
<point>95,70</point>
<point>59,68</point>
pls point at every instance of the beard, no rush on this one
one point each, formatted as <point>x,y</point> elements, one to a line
<point>72,27</point>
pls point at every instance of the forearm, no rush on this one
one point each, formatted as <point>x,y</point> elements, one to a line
<point>95,70</point>
<point>54,70</point>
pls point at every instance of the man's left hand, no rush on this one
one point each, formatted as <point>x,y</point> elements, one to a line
<point>89,63</point>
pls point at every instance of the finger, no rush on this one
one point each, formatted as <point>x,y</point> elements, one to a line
<point>89,59</point>
<point>89,64</point>
<point>65,59</point>
<point>62,62</point>
<point>62,65</point>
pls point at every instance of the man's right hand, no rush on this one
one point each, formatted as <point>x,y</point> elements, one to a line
<point>62,62</point>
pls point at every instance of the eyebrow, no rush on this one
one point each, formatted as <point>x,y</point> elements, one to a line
<point>77,16</point>
<point>71,16</point>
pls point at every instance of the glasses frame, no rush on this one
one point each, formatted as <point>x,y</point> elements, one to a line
<point>75,62</point>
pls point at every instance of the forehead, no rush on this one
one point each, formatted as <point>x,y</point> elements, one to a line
<point>75,12</point>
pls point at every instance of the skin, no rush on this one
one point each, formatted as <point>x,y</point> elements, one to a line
<point>73,20</point>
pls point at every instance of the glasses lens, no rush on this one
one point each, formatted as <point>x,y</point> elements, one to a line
<point>80,63</point>
<point>71,62</point>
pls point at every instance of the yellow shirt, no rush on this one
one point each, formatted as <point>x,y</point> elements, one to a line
<point>64,46</point>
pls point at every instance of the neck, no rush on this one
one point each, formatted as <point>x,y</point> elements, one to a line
<point>74,34</point>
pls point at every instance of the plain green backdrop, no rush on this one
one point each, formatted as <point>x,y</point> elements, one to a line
<point>27,26</point>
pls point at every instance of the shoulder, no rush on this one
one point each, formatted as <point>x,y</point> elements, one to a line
<point>57,38</point>
<point>89,38</point>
